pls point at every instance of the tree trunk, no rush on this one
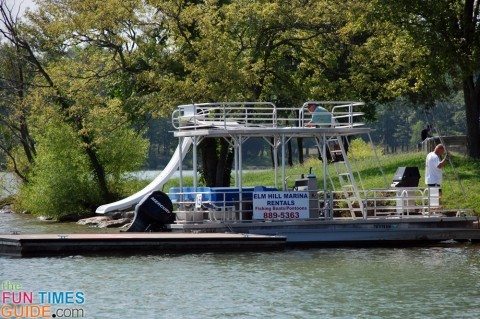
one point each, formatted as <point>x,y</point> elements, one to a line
<point>471,94</point>
<point>227,172</point>
<point>224,167</point>
<point>208,148</point>
<point>98,169</point>
<point>300,149</point>
<point>26,140</point>
<point>346,143</point>
<point>272,153</point>
<point>217,159</point>
<point>290,153</point>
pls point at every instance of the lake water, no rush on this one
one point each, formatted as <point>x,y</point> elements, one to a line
<point>8,184</point>
<point>150,175</point>
<point>436,282</point>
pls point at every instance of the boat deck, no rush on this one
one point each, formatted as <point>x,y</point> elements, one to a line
<point>360,232</point>
<point>271,131</point>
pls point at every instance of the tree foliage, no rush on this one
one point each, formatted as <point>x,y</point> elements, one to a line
<point>450,31</point>
<point>60,181</point>
<point>76,83</point>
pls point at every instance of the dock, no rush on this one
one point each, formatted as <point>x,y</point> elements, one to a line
<point>40,245</point>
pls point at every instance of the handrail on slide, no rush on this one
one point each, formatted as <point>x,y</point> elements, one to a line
<point>156,184</point>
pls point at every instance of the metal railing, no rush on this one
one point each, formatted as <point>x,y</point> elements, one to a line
<point>388,202</point>
<point>344,113</point>
<point>261,114</point>
<point>225,115</point>
<point>196,206</point>
<point>406,201</point>
<point>204,206</point>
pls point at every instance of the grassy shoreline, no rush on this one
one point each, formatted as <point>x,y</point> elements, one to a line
<point>465,169</point>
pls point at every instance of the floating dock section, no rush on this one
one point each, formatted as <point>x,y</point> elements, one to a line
<point>38,245</point>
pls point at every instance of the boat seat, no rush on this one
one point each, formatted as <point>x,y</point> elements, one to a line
<point>188,193</point>
<point>218,213</point>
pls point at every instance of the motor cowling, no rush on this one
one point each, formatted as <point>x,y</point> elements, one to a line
<point>153,213</point>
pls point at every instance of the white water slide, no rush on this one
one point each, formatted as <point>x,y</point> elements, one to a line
<point>156,184</point>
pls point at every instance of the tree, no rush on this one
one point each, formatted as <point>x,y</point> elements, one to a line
<point>240,50</point>
<point>14,35</point>
<point>450,31</point>
<point>16,76</point>
<point>60,182</point>
<point>86,80</point>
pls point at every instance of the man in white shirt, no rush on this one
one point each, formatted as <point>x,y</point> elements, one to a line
<point>434,166</point>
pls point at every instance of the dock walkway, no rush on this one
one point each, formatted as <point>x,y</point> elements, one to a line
<point>38,245</point>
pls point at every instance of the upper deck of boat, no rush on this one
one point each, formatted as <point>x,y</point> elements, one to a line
<point>264,119</point>
<point>216,131</point>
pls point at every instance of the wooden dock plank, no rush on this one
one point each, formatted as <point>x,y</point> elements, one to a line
<point>132,243</point>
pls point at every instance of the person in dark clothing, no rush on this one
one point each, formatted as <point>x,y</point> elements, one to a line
<point>426,132</point>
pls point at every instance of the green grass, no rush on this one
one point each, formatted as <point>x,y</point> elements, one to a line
<point>467,170</point>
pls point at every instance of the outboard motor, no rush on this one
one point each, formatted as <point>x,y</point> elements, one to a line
<point>152,213</point>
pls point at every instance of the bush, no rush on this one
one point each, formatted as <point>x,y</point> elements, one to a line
<point>359,149</point>
<point>60,182</point>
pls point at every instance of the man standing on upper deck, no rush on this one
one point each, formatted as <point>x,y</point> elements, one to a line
<point>434,166</point>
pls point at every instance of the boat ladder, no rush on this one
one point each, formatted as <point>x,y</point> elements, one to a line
<point>346,177</point>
